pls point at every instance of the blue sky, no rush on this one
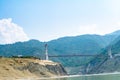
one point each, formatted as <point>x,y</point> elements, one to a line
<point>50,19</point>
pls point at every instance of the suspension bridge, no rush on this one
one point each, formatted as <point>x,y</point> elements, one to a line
<point>75,55</point>
<point>72,55</point>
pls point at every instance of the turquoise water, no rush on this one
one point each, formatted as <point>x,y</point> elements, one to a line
<point>94,77</point>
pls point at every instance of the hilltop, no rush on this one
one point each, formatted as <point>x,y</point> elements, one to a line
<point>25,68</point>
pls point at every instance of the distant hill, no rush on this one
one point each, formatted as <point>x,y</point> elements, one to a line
<point>84,44</point>
<point>112,38</point>
<point>28,48</point>
<point>115,33</point>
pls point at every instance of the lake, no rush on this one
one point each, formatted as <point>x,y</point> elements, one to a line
<point>92,77</point>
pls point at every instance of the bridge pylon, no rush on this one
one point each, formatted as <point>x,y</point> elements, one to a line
<point>110,53</point>
<point>46,52</point>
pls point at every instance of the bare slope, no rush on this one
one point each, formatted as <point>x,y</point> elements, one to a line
<point>15,68</point>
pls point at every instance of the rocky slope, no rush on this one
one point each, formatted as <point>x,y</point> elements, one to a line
<point>16,68</point>
<point>104,63</point>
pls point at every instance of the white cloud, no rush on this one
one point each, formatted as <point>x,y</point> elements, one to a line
<point>11,32</point>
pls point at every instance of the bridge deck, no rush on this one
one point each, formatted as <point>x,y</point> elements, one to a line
<point>72,55</point>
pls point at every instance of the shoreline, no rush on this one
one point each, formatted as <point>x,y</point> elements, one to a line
<point>47,78</point>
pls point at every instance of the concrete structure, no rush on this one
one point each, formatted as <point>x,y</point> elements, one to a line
<point>110,53</point>
<point>46,52</point>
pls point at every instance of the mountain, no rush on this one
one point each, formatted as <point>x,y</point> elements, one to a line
<point>112,38</point>
<point>83,44</point>
<point>28,48</point>
<point>115,33</point>
<point>104,63</point>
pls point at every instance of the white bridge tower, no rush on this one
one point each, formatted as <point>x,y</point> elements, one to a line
<point>110,53</point>
<point>46,51</point>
